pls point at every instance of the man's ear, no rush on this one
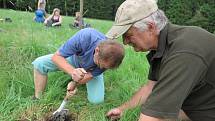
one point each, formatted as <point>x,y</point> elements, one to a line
<point>151,26</point>
<point>96,50</point>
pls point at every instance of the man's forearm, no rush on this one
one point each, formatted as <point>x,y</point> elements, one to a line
<point>62,63</point>
<point>139,97</point>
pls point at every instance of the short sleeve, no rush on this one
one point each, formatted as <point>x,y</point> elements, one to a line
<point>178,75</point>
<point>76,44</point>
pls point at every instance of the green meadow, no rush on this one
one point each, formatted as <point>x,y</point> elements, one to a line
<point>23,40</point>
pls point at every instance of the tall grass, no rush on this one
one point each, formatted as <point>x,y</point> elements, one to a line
<point>24,40</point>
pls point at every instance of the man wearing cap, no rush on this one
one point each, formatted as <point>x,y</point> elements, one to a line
<point>181,79</point>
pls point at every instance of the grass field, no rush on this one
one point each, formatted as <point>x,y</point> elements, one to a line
<point>24,40</point>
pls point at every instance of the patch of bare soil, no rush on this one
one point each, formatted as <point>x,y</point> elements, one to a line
<point>62,116</point>
<point>33,114</point>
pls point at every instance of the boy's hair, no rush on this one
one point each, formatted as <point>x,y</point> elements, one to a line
<point>112,52</point>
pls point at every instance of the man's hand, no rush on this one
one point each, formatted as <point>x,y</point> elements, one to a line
<point>78,74</point>
<point>114,114</point>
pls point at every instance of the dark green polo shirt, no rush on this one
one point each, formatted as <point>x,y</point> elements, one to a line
<point>184,68</point>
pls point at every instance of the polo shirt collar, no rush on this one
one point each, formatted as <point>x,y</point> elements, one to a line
<point>161,43</point>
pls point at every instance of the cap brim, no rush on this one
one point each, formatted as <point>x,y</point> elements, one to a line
<point>117,30</point>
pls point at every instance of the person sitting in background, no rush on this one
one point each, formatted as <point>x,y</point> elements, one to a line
<point>40,13</point>
<point>41,6</point>
<point>77,20</point>
<point>39,16</point>
<point>55,19</point>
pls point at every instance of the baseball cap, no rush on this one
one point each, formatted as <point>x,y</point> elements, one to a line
<point>129,12</point>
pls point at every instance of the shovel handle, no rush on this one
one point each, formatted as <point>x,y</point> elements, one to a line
<point>74,85</point>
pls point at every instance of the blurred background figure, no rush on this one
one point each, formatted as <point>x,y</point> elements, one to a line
<point>41,5</point>
<point>39,16</point>
<point>77,20</point>
<point>55,19</point>
<point>40,13</point>
<point>78,23</point>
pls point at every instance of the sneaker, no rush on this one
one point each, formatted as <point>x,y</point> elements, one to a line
<point>34,98</point>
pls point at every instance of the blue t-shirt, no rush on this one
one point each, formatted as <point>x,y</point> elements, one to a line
<point>80,48</point>
<point>39,16</point>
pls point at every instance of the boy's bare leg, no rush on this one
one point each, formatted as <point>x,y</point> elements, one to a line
<point>40,81</point>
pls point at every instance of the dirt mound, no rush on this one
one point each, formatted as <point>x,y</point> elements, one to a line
<point>61,116</point>
<point>45,113</point>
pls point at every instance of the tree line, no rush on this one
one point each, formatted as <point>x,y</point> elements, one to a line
<point>183,12</point>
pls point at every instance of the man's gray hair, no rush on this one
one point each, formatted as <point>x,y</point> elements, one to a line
<point>158,17</point>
